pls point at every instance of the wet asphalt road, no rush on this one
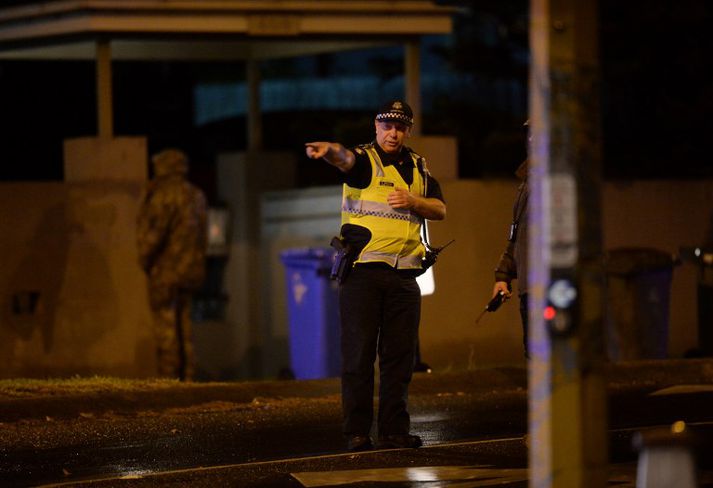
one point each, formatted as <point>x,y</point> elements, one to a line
<point>224,433</point>
<point>265,442</point>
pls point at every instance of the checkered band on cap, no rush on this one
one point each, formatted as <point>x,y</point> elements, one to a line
<point>396,110</point>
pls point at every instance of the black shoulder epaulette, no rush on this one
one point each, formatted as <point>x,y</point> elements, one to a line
<point>420,161</point>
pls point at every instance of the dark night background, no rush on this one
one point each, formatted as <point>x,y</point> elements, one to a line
<point>657,97</point>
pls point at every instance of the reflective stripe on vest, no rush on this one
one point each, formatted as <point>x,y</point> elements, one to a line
<point>364,207</point>
<point>395,233</point>
<point>404,262</point>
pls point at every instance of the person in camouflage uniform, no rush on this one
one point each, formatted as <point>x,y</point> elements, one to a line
<point>172,241</point>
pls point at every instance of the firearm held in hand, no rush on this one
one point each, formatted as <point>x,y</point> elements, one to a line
<point>492,305</point>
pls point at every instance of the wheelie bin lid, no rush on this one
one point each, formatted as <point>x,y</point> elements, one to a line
<point>625,261</point>
<point>307,257</point>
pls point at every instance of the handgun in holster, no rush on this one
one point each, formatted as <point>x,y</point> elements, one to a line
<point>343,259</point>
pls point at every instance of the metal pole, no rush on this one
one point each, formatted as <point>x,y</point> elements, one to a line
<point>105,112</point>
<point>567,414</point>
<point>413,82</point>
<point>254,116</point>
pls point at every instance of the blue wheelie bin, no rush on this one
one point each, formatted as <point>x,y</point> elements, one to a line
<point>312,299</point>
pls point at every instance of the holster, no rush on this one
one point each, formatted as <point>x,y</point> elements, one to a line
<point>343,259</point>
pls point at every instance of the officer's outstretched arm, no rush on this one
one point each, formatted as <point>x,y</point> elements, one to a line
<point>332,152</point>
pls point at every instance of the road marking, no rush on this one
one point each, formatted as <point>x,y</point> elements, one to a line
<point>682,389</point>
<point>464,476</point>
<point>460,483</point>
<point>136,474</point>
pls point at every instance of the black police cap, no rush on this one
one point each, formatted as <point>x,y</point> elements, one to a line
<point>396,110</point>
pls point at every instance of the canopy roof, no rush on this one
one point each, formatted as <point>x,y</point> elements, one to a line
<point>212,29</point>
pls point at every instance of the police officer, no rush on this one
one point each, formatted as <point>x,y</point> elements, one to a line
<point>387,194</point>
<point>172,241</point>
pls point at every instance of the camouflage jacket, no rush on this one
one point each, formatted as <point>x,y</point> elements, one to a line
<point>171,232</point>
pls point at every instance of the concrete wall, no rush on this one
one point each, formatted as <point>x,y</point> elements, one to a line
<point>663,215</point>
<point>74,302</point>
<point>73,298</point>
<point>479,214</point>
<point>253,340</point>
<point>240,340</point>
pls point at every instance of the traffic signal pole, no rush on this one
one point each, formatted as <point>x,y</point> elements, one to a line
<point>567,414</point>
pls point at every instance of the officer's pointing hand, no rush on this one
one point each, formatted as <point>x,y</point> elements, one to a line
<point>400,198</point>
<point>316,150</point>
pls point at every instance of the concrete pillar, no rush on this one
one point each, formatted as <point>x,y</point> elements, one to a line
<point>94,159</point>
<point>242,178</point>
<point>97,315</point>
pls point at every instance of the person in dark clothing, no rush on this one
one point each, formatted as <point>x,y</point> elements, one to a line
<point>387,194</point>
<point>513,261</point>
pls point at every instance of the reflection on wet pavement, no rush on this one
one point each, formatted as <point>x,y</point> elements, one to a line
<point>465,476</point>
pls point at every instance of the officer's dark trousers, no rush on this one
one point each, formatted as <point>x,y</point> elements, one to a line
<point>380,311</point>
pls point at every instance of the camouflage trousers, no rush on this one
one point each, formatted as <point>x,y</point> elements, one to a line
<point>171,310</point>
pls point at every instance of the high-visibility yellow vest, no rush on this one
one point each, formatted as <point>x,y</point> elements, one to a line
<point>395,233</point>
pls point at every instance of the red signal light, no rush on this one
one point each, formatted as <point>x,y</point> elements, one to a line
<point>549,312</point>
